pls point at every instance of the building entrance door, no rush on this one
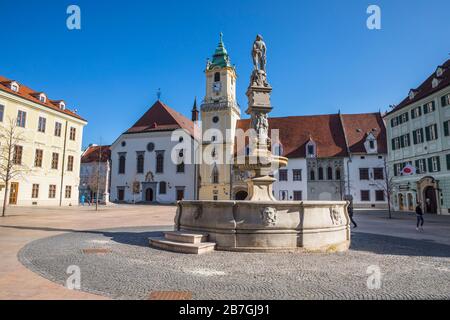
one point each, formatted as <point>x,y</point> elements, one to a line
<point>13,194</point>
<point>430,200</point>
<point>149,195</point>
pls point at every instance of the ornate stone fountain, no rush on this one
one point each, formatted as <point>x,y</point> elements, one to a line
<point>261,223</point>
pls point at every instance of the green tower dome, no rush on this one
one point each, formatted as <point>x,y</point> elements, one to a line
<point>220,58</point>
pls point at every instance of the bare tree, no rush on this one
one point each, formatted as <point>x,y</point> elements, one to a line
<point>11,166</point>
<point>387,186</point>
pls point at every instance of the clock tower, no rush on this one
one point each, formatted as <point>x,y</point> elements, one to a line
<point>219,114</point>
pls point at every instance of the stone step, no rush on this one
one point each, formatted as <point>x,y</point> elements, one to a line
<point>186,237</point>
<point>182,247</point>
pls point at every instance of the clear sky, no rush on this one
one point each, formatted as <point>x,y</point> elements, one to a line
<point>321,55</point>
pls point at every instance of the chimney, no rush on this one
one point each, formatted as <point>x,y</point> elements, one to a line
<point>195,111</point>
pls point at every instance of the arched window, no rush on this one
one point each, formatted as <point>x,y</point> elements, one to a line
<point>217,77</point>
<point>160,163</point>
<point>215,175</point>
<point>312,175</point>
<point>162,187</point>
<point>329,173</point>
<point>320,173</point>
<point>122,164</point>
<point>140,163</point>
<point>338,174</point>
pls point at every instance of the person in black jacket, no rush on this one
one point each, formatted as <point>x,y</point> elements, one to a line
<point>419,215</point>
<point>350,214</point>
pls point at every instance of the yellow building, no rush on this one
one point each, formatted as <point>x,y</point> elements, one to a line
<point>50,151</point>
<point>219,114</point>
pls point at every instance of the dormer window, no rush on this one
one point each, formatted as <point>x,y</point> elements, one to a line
<point>439,71</point>
<point>412,94</point>
<point>311,150</point>
<point>15,86</point>
<point>371,143</point>
<point>435,82</point>
<point>42,98</point>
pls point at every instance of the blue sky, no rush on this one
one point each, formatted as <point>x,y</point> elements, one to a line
<point>321,56</point>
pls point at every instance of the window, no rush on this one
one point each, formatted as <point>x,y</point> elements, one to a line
<point>2,111</point>
<point>445,100</point>
<point>58,127</point>
<point>38,158</point>
<point>378,173</point>
<point>70,163</point>
<point>448,161</point>
<point>298,196</point>
<point>379,195</point>
<point>434,164</point>
<point>311,151</point>
<point>215,175</point>
<point>122,162</point>
<point>429,107</point>
<point>217,77</point>
<point>431,132</point>
<point>14,87</point>
<point>312,175</point>
<point>363,174</point>
<point>330,173</point>
<point>371,144</point>
<point>42,98</point>
<point>41,124</point>
<point>320,173</point>
<point>421,166</point>
<point>405,141</point>
<point>297,175</point>
<point>418,136</point>
<point>338,174</point>
<point>140,163</point>
<point>394,122</point>
<point>35,191</point>
<point>365,195</point>
<point>150,146</point>
<point>416,112</point>
<point>55,158</point>
<point>68,193</point>
<point>73,133</point>
<point>21,118</point>
<point>52,191</point>
<point>162,187</point>
<point>447,128</point>
<point>180,167</point>
<point>282,175</point>
<point>17,157</point>
<point>160,162</point>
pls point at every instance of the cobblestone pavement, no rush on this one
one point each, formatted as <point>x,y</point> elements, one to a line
<point>412,268</point>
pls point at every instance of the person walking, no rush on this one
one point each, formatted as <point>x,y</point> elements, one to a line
<point>350,214</point>
<point>83,198</point>
<point>419,215</point>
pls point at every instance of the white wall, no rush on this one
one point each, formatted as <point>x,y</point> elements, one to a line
<point>138,142</point>
<point>290,186</point>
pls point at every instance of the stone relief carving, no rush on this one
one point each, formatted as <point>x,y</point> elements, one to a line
<point>335,216</point>
<point>269,216</point>
<point>261,124</point>
<point>149,177</point>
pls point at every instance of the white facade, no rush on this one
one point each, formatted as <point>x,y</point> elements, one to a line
<point>177,184</point>
<point>290,189</point>
<point>374,185</point>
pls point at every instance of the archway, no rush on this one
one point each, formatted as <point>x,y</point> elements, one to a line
<point>429,194</point>
<point>401,203</point>
<point>410,202</point>
<point>149,195</point>
<point>241,195</point>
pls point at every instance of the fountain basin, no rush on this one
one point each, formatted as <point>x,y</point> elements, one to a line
<point>263,226</point>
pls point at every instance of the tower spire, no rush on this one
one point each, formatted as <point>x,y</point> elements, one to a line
<point>195,111</point>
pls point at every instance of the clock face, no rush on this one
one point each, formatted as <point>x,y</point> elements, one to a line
<point>216,86</point>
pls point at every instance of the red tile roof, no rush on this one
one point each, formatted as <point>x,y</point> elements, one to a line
<point>161,117</point>
<point>328,133</point>
<point>32,95</point>
<point>426,88</point>
<point>93,153</point>
<point>358,126</point>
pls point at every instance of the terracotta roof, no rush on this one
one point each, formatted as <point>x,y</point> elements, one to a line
<point>295,132</point>
<point>92,154</point>
<point>161,117</point>
<point>426,88</point>
<point>329,132</point>
<point>32,95</point>
<point>358,126</point>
